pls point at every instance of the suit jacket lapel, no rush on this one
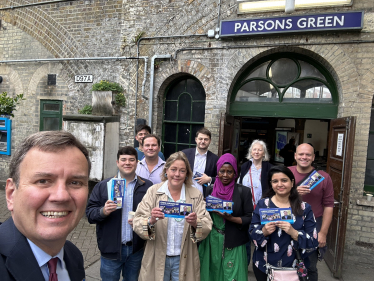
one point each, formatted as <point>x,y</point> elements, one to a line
<point>191,157</point>
<point>75,273</point>
<point>20,261</point>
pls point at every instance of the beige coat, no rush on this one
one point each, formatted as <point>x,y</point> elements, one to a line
<point>153,263</point>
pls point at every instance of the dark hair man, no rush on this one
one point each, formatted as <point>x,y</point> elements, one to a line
<point>140,132</point>
<point>151,166</point>
<point>46,194</point>
<point>121,248</point>
<point>202,161</point>
<point>321,198</point>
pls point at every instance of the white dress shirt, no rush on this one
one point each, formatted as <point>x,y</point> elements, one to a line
<point>199,166</point>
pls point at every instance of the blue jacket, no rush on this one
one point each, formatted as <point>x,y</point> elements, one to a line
<point>109,229</point>
<point>17,261</point>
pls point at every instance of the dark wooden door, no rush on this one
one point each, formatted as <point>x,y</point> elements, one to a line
<point>226,131</point>
<point>339,167</point>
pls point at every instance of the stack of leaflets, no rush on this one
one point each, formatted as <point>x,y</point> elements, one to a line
<point>175,209</point>
<point>116,191</point>
<point>276,214</point>
<point>312,180</point>
<point>216,204</point>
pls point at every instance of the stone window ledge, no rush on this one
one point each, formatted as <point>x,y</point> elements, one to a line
<point>364,202</point>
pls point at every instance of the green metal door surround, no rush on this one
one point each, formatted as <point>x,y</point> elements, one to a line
<point>286,85</point>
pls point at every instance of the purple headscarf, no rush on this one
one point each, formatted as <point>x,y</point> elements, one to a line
<point>219,190</point>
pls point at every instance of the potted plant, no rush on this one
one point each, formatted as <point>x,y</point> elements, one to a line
<point>102,97</point>
<point>9,104</point>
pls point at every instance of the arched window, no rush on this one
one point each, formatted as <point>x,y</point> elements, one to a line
<point>184,112</point>
<point>285,84</point>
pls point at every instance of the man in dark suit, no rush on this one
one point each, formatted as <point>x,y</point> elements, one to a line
<point>202,160</point>
<point>185,212</point>
<point>46,194</point>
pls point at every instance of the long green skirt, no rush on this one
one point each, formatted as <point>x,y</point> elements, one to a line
<point>233,266</point>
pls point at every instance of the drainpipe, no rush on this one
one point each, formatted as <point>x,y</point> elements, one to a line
<point>72,59</point>
<point>35,4</point>
<point>152,76</point>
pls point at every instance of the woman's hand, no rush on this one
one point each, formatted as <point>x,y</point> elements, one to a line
<point>191,219</point>
<point>269,228</point>
<point>287,227</point>
<point>156,214</point>
<point>229,217</point>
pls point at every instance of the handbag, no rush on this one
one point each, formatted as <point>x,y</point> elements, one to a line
<point>299,273</point>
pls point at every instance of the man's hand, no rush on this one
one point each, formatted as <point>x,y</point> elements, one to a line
<point>303,189</point>
<point>321,240</point>
<point>109,207</point>
<point>203,179</point>
<point>191,219</point>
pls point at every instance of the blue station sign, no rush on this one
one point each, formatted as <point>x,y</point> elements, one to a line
<point>299,23</point>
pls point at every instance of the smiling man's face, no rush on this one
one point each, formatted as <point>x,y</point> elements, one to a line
<point>51,196</point>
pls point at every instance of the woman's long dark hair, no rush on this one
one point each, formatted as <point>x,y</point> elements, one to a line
<point>295,199</point>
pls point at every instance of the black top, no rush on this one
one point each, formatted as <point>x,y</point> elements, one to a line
<point>237,234</point>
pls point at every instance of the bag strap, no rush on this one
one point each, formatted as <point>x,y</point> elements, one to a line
<point>304,178</point>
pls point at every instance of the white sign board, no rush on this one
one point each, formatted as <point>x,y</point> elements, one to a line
<point>339,145</point>
<point>86,78</point>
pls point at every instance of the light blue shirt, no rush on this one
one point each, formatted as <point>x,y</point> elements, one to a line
<point>128,202</point>
<point>256,189</point>
<point>199,166</point>
<point>175,225</point>
<point>154,176</point>
<point>43,258</point>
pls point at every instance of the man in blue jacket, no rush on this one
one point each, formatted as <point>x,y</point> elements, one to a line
<point>121,248</point>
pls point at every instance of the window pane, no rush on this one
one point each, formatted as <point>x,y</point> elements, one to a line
<point>169,148</point>
<point>51,107</point>
<point>181,147</point>
<point>259,71</point>
<point>195,89</point>
<point>171,110</point>
<point>283,71</point>
<point>308,70</point>
<point>372,120</point>
<point>308,90</point>
<point>3,141</point>
<point>371,147</point>
<point>176,90</point>
<point>195,128</point>
<point>184,133</point>
<point>257,90</point>
<point>170,132</point>
<point>369,175</point>
<point>184,108</point>
<point>51,124</point>
<point>198,111</point>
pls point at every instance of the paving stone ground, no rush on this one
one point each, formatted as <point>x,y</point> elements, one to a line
<point>83,236</point>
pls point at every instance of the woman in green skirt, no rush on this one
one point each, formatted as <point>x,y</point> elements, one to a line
<point>223,255</point>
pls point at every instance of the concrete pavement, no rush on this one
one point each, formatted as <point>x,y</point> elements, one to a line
<point>84,237</point>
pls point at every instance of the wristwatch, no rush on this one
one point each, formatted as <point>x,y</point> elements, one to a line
<point>149,223</point>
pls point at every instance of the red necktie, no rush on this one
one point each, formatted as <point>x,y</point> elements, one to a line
<point>52,264</point>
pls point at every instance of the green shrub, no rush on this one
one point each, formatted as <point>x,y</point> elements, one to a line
<point>104,85</point>
<point>87,109</point>
<point>121,100</point>
<point>8,104</point>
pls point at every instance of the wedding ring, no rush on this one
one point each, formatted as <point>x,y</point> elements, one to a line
<point>156,219</point>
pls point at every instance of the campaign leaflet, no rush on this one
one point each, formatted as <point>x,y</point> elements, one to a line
<point>216,204</point>
<point>312,180</point>
<point>276,214</point>
<point>116,191</point>
<point>175,209</point>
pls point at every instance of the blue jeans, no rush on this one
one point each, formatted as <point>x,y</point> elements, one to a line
<point>171,268</point>
<point>129,264</point>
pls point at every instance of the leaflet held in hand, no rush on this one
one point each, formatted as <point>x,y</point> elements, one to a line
<point>313,180</point>
<point>116,191</point>
<point>216,204</point>
<point>175,209</point>
<point>276,214</point>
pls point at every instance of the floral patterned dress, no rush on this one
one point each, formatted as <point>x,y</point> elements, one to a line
<point>279,243</point>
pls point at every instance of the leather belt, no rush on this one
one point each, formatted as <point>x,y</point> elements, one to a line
<point>128,243</point>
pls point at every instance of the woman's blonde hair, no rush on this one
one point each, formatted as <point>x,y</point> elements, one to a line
<point>263,144</point>
<point>174,157</point>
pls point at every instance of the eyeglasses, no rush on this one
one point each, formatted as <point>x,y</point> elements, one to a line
<point>282,181</point>
<point>229,173</point>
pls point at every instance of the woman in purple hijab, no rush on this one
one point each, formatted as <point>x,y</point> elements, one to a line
<point>223,254</point>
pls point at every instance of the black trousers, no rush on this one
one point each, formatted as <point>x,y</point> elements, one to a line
<point>260,276</point>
